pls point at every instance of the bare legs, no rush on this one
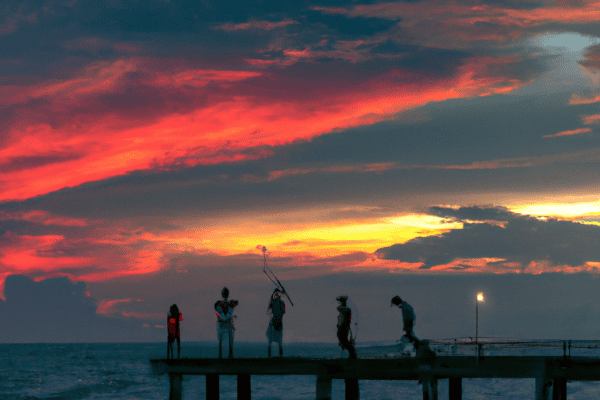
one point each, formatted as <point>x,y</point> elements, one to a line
<point>280,349</point>
<point>170,352</point>
<point>230,346</point>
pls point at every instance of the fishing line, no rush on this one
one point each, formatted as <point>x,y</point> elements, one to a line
<point>272,277</point>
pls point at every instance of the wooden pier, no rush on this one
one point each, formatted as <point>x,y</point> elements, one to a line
<point>550,373</point>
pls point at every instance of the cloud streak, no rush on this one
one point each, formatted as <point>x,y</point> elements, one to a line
<point>569,133</point>
<point>262,25</point>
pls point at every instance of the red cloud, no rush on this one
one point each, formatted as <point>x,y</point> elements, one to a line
<point>94,253</point>
<point>104,125</point>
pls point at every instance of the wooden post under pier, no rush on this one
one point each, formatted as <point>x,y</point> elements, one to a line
<point>352,389</point>
<point>455,388</point>
<point>175,386</point>
<point>551,373</point>
<point>244,389</point>
<point>559,389</point>
<point>323,388</point>
<point>212,386</point>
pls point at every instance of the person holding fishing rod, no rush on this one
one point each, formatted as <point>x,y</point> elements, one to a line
<point>276,306</point>
<point>224,310</point>
<point>275,330</point>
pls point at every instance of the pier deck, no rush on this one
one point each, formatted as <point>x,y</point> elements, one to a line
<point>550,373</point>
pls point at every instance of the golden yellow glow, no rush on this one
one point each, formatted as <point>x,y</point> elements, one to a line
<point>555,209</point>
<point>480,296</point>
<point>314,232</point>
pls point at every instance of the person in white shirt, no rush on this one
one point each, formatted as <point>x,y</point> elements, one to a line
<point>224,310</point>
<point>275,330</point>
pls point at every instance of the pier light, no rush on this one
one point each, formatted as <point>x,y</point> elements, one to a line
<point>479,299</point>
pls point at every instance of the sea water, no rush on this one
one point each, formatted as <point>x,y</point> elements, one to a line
<point>122,371</point>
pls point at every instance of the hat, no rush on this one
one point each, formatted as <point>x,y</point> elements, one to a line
<point>342,298</point>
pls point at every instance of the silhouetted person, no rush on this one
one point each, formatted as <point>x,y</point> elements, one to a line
<point>173,319</point>
<point>408,319</point>
<point>224,309</point>
<point>343,326</point>
<point>275,329</point>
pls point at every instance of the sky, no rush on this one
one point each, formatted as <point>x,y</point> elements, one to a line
<point>430,149</point>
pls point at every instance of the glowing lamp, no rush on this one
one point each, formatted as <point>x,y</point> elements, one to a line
<point>479,299</point>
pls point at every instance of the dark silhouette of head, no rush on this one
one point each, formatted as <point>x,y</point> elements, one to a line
<point>276,294</point>
<point>396,300</point>
<point>225,293</point>
<point>342,299</point>
<point>174,310</point>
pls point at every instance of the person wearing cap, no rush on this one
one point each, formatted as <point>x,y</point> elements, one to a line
<point>343,326</point>
<point>408,318</point>
<point>275,330</point>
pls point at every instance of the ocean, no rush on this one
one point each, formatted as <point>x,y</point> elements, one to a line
<point>122,371</point>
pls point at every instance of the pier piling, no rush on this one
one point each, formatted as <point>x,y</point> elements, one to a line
<point>323,388</point>
<point>352,389</point>
<point>559,389</point>
<point>244,389</point>
<point>175,386</point>
<point>455,388</point>
<point>212,386</point>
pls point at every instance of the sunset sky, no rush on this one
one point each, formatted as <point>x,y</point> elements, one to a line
<point>431,149</point>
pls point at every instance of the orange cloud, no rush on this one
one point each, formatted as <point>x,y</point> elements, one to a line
<point>231,126</point>
<point>577,99</point>
<point>591,119</point>
<point>569,133</point>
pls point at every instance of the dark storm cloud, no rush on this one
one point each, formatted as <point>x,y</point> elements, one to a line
<point>58,310</point>
<point>453,132</point>
<point>349,27</point>
<point>514,239</point>
<point>473,213</point>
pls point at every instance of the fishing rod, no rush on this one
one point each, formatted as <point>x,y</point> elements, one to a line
<point>272,276</point>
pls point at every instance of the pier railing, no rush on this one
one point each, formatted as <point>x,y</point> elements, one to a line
<point>550,373</point>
